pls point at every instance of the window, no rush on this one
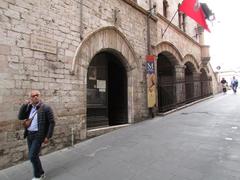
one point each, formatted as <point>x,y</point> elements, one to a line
<point>181,20</point>
<point>184,22</point>
<point>165,8</point>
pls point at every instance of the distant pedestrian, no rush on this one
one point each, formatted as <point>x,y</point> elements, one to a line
<point>224,85</point>
<point>38,121</point>
<point>234,84</point>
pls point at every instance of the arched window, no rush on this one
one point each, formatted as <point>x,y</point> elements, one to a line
<point>165,8</point>
<point>181,20</point>
<point>184,22</point>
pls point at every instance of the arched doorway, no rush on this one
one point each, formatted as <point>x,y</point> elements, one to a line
<point>106,91</point>
<point>189,82</point>
<point>166,83</point>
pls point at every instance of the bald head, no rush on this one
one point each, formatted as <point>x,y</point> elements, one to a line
<point>35,96</point>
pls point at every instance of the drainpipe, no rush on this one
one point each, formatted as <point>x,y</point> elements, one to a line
<point>151,109</point>
<point>148,28</point>
<point>81,20</point>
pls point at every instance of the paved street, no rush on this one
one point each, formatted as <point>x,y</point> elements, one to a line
<point>201,142</point>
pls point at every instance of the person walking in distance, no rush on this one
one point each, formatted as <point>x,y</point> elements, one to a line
<point>38,121</point>
<point>234,84</point>
<point>224,85</point>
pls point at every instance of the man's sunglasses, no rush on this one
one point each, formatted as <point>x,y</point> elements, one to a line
<point>35,95</point>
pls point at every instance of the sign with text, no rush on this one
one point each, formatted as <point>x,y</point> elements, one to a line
<point>43,44</point>
<point>151,80</point>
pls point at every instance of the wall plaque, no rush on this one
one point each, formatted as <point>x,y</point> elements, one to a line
<point>43,44</point>
<point>101,84</point>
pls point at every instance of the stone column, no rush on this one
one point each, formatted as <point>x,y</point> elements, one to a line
<point>210,86</point>
<point>197,84</point>
<point>180,83</point>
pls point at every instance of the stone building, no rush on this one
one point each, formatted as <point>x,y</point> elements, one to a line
<point>88,60</point>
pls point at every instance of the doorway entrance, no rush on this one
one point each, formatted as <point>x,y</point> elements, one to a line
<point>106,91</point>
<point>166,84</point>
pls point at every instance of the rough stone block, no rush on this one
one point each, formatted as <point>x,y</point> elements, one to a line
<point>12,14</point>
<point>4,49</point>
<point>39,55</point>
<point>7,84</point>
<point>27,52</point>
<point>11,1</point>
<point>37,85</point>
<point>3,4</point>
<point>14,59</point>
<point>16,51</point>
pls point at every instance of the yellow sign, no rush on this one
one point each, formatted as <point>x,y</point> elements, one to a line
<point>151,81</point>
<point>151,90</point>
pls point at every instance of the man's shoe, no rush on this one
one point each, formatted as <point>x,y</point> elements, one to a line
<point>43,176</point>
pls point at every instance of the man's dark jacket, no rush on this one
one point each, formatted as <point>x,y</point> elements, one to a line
<point>45,118</point>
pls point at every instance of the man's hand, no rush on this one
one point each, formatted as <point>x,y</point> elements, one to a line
<point>27,101</point>
<point>46,140</point>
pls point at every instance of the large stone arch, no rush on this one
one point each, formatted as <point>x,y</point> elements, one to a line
<point>170,51</point>
<point>104,38</point>
<point>190,58</point>
<point>111,40</point>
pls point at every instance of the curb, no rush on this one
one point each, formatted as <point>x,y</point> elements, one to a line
<point>184,106</point>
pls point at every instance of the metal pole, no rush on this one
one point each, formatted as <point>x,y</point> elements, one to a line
<point>169,23</point>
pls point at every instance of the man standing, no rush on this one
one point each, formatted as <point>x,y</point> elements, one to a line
<point>234,84</point>
<point>38,131</point>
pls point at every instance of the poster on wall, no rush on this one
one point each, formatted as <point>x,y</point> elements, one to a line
<point>151,80</point>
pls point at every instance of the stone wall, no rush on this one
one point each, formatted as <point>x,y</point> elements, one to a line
<point>25,67</point>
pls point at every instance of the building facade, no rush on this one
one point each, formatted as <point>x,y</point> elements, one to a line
<point>88,59</point>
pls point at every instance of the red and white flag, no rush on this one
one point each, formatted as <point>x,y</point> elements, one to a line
<point>193,9</point>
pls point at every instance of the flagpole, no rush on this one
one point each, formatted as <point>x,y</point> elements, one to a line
<point>169,23</point>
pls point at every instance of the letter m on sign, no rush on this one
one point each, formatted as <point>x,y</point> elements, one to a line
<point>150,64</point>
<point>150,67</point>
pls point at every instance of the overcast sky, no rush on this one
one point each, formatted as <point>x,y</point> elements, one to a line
<point>224,38</point>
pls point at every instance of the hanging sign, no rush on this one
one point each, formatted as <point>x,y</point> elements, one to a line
<point>151,80</point>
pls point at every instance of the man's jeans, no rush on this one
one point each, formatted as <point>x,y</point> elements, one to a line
<point>34,146</point>
<point>234,89</point>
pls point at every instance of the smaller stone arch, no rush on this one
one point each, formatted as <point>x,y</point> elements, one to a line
<point>192,75</point>
<point>204,70</point>
<point>204,73</point>
<point>169,50</point>
<point>191,59</point>
<point>168,58</point>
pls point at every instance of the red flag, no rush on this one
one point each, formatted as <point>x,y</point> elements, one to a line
<point>193,9</point>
